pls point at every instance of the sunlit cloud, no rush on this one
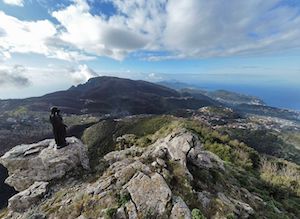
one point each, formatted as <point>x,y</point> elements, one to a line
<point>82,74</point>
<point>27,37</point>
<point>185,29</point>
<point>14,2</point>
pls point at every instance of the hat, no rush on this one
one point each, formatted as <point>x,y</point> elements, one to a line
<point>54,110</point>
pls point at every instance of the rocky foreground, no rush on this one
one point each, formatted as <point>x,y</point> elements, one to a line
<point>163,180</point>
<point>32,167</point>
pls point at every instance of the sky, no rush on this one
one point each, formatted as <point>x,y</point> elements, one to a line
<point>49,45</point>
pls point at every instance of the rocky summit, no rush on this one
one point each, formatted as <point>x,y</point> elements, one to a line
<point>32,167</point>
<point>32,163</point>
<point>154,181</point>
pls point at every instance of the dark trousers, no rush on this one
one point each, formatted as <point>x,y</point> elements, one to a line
<point>60,136</point>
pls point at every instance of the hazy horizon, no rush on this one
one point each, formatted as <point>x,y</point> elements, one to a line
<point>271,95</point>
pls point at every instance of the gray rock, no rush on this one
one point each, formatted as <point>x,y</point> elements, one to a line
<point>150,194</point>
<point>120,214</point>
<point>204,198</point>
<point>205,159</point>
<point>183,145</point>
<point>242,209</point>
<point>25,199</point>
<point>131,210</point>
<point>177,145</point>
<point>38,216</point>
<point>180,209</point>
<point>161,162</point>
<point>41,161</point>
<point>100,186</point>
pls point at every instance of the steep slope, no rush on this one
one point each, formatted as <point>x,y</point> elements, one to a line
<point>111,95</point>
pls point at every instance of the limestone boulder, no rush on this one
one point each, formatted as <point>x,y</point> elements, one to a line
<point>25,199</point>
<point>42,161</point>
<point>180,209</point>
<point>205,159</point>
<point>150,194</point>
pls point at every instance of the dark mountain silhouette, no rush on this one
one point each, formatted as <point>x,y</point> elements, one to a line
<point>112,95</point>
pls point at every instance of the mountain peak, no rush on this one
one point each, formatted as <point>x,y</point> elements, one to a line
<point>112,95</point>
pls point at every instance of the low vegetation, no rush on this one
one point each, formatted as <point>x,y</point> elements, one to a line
<point>273,180</point>
<point>270,143</point>
<point>249,176</point>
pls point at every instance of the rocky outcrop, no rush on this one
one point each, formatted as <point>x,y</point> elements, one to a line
<point>41,161</point>
<point>205,159</point>
<point>180,209</point>
<point>183,146</point>
<point>31,167</point>
<point>151,194</point>
<point>23,200</point>
<point>204,198</point>
<point>177,146</point>
<point>156,181</point>
<point>143,174</point>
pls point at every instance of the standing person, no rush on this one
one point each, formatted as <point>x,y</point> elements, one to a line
<point>59,128</point>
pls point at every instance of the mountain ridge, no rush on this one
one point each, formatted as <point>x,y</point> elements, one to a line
<point>111,95</point>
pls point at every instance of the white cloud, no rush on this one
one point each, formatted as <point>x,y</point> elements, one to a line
<point>25,36</point>
<point>154,77</point>
<point>171,29</point>
<point>96,35</point>
<point>14,2</point>
<point>13,76</point>
<point>82,74</point>
<point>4,55</point>
<point>201,29</point>
<point>212,29</point>
<point>33,37</point>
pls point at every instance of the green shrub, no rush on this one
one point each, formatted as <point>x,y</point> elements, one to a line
<point>223,151</point>
<point>230,216</point>
<point>110,212</point>
<point>123,198</point>
<point>196,214</point>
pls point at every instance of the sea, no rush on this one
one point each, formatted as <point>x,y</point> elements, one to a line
<point>286,97</point>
